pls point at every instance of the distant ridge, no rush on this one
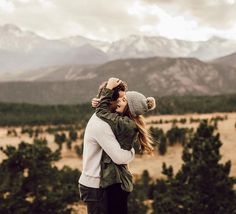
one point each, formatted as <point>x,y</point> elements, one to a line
<point>155,76</point>
<point>229,60</point>
<point>24,51</point>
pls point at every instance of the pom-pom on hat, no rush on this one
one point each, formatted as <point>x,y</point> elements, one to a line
<point>138,103</point>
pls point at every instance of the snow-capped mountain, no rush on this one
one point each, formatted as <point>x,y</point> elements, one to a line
<point>214,48</point>
<point>23,50</point>
<point>142,46</point>
<point>12,38</point>
<point>77,41</point>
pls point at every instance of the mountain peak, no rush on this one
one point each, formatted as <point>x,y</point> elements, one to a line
<point>217,39</point>
<point>10,28</point>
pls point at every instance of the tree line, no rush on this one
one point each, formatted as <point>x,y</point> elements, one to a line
<point>13,114</point>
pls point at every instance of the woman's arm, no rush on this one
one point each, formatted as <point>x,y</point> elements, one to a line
<point>94,102</point>
<point>104,112</point>
<point>117,122</point>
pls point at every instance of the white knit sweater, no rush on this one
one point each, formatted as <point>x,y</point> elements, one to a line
<point>98,137</point>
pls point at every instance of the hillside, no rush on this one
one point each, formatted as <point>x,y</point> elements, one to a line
<point>152,76</point>
<point>229,60</point>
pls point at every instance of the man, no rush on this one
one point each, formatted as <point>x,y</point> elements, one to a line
<point>98,137</point>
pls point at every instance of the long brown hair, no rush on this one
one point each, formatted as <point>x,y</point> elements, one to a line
<point>144,137</point>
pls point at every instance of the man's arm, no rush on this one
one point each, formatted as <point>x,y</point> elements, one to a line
<point>111,146</point>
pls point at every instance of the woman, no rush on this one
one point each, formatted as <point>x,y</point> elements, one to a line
<point>127,123</point>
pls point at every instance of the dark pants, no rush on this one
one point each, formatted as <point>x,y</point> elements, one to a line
<point>95,198</point>
<point>117,199</point>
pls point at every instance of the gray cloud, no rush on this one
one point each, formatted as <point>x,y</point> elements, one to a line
<point>213,13</point>
<point>94,18</point>
<point>110,20</point>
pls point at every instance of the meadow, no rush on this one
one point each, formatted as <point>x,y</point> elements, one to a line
<point>62,129</point>
<point>153,164</point>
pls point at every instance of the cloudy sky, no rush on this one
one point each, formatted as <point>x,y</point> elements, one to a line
<point>113,19</point>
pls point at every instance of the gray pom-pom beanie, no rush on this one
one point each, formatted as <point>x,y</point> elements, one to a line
<point>138,103</point>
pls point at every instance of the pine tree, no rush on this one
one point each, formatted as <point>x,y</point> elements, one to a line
<point>202,185</point>
<point>31,184</point>
<point>162,147</point>
<point>73,135</point>
<point>140,194</point>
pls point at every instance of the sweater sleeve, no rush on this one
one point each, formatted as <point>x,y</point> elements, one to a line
<point>111,146</point>
<point>120,124</point>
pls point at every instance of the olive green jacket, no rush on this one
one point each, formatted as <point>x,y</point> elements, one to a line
<point>126,132</point>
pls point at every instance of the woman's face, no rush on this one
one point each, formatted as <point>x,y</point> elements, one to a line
<point>121,103</point>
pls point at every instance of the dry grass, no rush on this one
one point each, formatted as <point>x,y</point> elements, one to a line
<point>227,132</point>
<point>152,163</point>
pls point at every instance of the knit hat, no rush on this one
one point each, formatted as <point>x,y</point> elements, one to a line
<point>138,103</point>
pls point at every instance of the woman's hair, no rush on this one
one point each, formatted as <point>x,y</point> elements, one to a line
<point>144,137</point>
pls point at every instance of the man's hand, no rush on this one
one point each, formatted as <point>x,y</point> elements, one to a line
<point>113,82</point>
<point>95,102</point>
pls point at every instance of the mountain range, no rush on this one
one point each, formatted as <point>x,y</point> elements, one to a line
<point>23,50</point>
<point>69,70</point>
<point>155,76</point>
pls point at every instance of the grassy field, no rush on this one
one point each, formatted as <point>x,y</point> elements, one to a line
<point>227,132</point>
<point>153,163</point>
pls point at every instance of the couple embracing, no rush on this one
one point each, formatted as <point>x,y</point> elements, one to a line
<point>110,135</point>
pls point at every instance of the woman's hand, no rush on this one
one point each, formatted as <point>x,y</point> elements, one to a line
<point>113,82</point>
<point>95,102</point>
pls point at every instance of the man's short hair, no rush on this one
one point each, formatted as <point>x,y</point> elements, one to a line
<point>121,87</point>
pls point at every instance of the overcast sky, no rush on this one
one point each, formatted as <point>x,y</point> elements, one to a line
<point>113,19</point>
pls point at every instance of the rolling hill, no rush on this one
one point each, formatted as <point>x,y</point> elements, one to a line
<point>229,60</point>
<point>156,76</point>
